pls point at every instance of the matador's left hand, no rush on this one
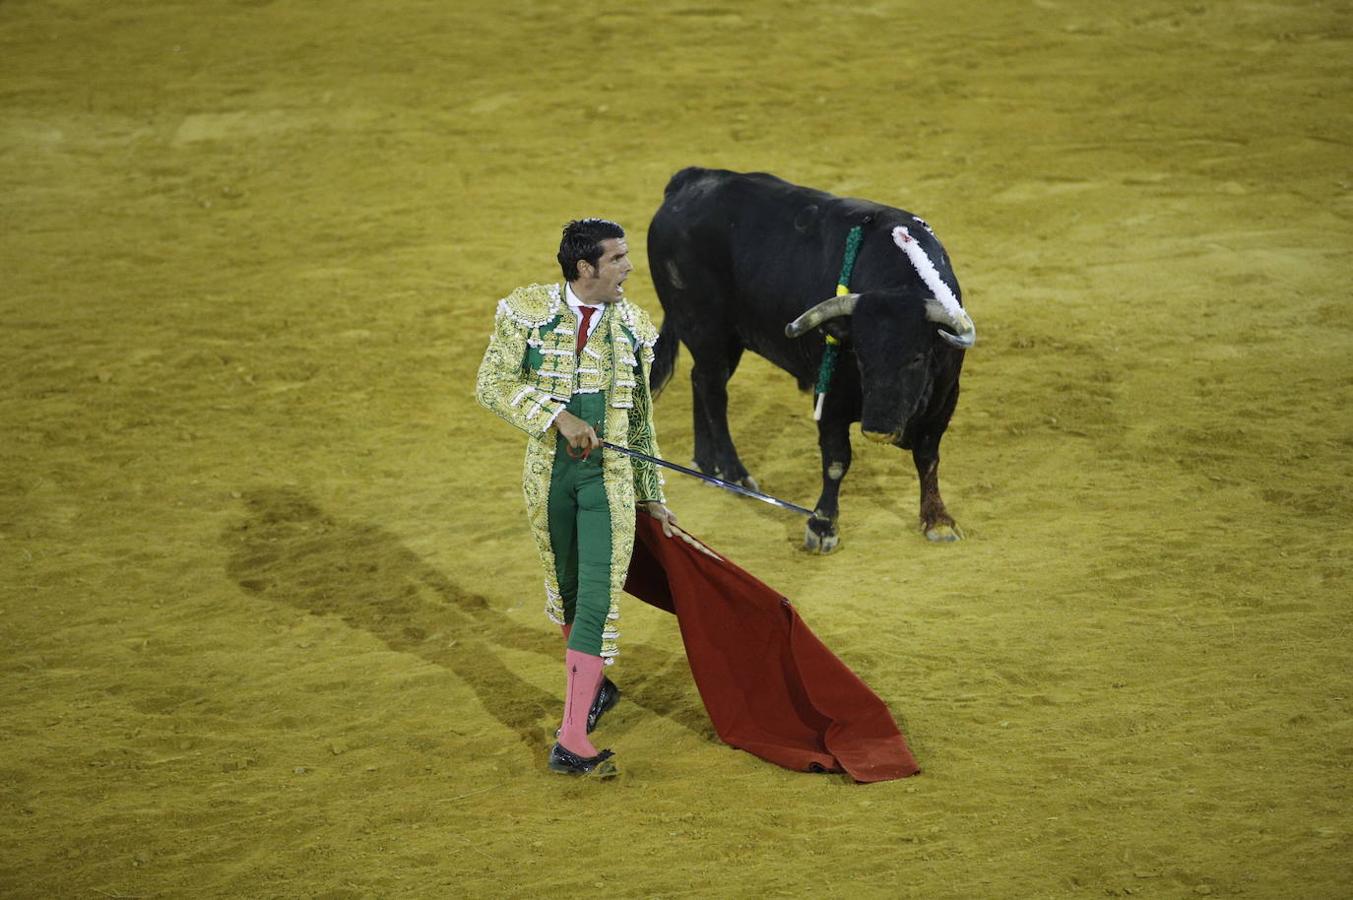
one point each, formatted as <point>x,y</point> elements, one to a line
<point>663,515</point>
<point>669,525</point>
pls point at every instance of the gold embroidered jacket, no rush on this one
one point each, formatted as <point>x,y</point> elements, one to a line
<point>529,372</point>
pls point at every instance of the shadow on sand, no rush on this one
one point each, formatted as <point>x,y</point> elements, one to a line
<point>288,550</point>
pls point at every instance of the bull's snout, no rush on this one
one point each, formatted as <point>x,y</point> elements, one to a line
<point>879,437</point>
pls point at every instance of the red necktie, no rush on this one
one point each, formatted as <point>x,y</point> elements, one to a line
<point>582,329</point>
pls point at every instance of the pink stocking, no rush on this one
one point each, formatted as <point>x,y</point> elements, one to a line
<point>584,677</point>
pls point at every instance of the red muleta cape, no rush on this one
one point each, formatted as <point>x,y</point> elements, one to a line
<point>770,686</point>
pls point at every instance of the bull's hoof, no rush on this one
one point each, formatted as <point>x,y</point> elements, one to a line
<point>820,536</point>
<point>943,534</point>
<point>746,481</point>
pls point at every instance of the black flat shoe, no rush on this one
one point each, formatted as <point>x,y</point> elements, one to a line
<point>569,763</point>
<point>608,695</point>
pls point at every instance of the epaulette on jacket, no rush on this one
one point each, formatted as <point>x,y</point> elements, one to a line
<point>638,323</point>
<point>533,305</point>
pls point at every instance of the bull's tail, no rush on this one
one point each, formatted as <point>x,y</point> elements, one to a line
<point>665,357</point>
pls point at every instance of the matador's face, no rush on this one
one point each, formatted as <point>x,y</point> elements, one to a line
<point>605,282</point>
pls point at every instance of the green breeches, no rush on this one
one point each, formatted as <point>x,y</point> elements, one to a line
<point>580,532</point>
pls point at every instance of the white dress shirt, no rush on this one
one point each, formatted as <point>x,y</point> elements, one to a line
<point>574,303</point>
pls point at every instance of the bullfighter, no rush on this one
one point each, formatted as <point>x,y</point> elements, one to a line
<point>569,365</point>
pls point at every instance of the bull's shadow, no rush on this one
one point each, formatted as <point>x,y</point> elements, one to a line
<point>287,550</point>
<point>881,476</point>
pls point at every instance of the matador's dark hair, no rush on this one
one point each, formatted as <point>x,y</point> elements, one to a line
<point>582,240</point>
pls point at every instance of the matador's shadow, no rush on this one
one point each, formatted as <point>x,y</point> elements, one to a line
<point>287,550</point>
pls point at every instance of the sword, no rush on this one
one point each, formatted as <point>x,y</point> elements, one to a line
<point>709,479</point>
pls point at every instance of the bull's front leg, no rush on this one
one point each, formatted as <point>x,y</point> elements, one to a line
<point>936,523</point>
<point>833,437</point>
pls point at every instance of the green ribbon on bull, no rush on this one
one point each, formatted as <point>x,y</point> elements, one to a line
<point>828,368</point>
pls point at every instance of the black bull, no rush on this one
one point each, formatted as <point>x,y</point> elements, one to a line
<point>749,261</point>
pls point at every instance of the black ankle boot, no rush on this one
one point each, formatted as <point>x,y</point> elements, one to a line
<point>608,695</point>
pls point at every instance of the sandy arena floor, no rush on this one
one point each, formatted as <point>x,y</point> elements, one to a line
<point>271,622</point>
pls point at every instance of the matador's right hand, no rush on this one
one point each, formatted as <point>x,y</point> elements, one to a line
<point>581,437</point>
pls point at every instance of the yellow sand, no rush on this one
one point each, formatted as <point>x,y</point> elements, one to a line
<point>271,619</point>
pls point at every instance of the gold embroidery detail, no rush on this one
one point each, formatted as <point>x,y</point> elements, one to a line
<point>616,365</point>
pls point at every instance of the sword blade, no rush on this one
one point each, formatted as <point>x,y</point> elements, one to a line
<point>710,479</point>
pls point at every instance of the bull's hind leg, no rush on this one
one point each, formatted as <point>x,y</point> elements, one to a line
<point>936,523</point>
<point>715,454</point>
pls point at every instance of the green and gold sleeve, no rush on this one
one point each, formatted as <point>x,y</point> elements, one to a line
<point>504,386</point>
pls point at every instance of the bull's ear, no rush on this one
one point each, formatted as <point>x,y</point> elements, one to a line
<point>838,328</point>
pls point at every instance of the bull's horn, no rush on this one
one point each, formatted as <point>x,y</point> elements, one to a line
<point>965,331</point>
<point>833,308</point>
